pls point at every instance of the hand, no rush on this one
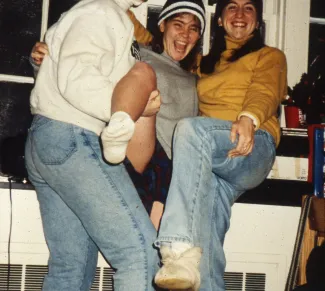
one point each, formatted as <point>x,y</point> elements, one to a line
<point>39,51</point>
<point>244,128</point>
<point>153,104</point>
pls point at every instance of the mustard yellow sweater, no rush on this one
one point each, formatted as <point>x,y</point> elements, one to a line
<point>254,85</point>
<point>141,34</point>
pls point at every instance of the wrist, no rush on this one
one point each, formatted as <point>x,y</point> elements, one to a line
<point>247,119</point>
<point>250,117</point>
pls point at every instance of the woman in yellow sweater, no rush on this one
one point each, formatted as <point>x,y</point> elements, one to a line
<point>229,149</point>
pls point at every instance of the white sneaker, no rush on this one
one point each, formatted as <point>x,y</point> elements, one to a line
<point>116,136</point>
<point>179,272</point>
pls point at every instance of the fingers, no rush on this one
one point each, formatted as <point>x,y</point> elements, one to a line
<point>156,103</point>
<point>244,130</point>
<point>243,149</point>
<point>154,94</point>
<point>37,58</point>
<point>39,51</point>
<point>153,105</point>
<point>233,132</point>
<point>40,47</point>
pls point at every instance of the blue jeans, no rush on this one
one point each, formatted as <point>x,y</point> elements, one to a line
<point>87,205</point>
<point>205,184</point>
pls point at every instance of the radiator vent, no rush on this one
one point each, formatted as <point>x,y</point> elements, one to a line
<point>15,279</point>
<point>103,279</point>
<point>30,278</point>
<point>34,276</point>
<point>234,281</point>
<point>237,281</point>
<point>255,282</point>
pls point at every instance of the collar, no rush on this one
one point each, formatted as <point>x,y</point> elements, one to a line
<point>164,54</point>
<point>233,44</point>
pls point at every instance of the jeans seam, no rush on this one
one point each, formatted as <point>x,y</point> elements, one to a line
<point>72,150</point>
<point>203,139</point>
<point>191,223</point>
<point>84,269</point>
<point>210,244</point>
<point>162,239</point>
<point>124,205</point>
<point>36,124</point>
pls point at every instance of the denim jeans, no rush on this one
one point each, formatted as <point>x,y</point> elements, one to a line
<point>205,184</point>
<point>87,205</point>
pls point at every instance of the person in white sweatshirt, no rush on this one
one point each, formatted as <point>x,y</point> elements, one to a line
<point>92,71</point>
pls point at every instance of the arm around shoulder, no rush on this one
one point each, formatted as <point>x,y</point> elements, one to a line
<point>141,34</point>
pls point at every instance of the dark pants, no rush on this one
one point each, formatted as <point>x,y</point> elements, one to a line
<point>153,184</point>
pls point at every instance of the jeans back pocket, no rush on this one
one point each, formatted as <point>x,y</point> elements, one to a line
<point>54,141</point>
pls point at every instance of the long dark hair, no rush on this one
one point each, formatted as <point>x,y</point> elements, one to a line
<point>219,43</point>
<point>189,62</point>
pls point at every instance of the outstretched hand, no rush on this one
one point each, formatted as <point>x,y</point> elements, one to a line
<point>39,51</point>
<point>244,129</point>
<point>153,104</point>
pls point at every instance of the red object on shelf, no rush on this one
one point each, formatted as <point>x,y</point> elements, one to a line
<point>293,116</point>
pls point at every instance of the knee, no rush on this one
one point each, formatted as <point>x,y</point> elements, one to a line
<point>185,124</point>
<point>143,69</point>
<point>188,127</point>
<point>146,73</point>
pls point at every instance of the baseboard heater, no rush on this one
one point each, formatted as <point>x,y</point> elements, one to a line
<point>30,278</point>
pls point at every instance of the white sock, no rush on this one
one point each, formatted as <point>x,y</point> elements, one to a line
<point>177,247</point>
<point>180,247</point>
<point>116,136</point>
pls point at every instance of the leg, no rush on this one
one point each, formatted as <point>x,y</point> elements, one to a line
<point>101,196</point>
<point>132,92</point>
<point>162,171</point>
<point>129,101</point>
<point>73,254</point>
<point>142,144</point>
<point>153,183</point>
<point>204,188</point>
<point>156,213</point>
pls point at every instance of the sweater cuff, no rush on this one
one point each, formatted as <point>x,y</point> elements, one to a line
<point>251,116</point>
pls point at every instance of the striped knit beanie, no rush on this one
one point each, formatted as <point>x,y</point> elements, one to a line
<point>194,7</point>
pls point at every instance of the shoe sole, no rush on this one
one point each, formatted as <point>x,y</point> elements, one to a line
<point>174,284</point>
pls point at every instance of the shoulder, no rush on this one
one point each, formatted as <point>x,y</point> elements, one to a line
<point>146,51</point>
<point>96,8</point>
<point>272,53</point>
<point>148,55</point>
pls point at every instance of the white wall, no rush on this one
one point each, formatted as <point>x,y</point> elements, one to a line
<point>296,38</point>
<point>260,240</point>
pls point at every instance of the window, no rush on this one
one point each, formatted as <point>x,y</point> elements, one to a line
<point>316,30</point>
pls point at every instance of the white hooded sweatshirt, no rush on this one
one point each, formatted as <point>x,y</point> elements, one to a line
<point>91,48</point>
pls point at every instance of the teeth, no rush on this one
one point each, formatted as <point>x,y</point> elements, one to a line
<point>237,24</point>
<point>180,46</point>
